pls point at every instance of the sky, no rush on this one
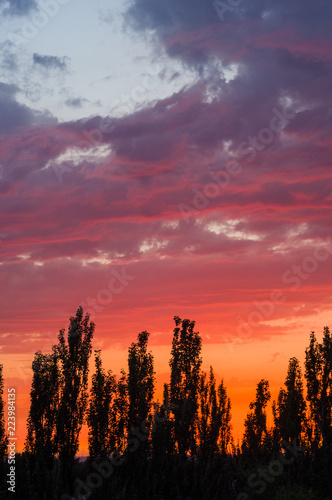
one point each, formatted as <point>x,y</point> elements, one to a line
<point>162,159</point>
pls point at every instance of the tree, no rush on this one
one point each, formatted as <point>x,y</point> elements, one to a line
<point>102,395</point>
<point>119,413</point>
<point>318,374</point>
<point>44,401</point>
<point>207,407</point>
<point>141,378</point>
<point>3,437</point>
<point>289,409</point>
<point>74,357</point>
<point>44,405</point>
<point>224,418</point>
<point>256,433</point>
<point>185,364</point>
<point>162,441</point>
<point>214,421</point>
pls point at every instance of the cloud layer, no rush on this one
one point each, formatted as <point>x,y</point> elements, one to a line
<point>207,197</point>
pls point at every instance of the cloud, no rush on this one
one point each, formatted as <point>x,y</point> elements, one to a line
<point>13,114</point>
<point>184,16</point>
<point>17,7</point>
<point>8,60</point>
<point>75,102</point>
<point>118,199</point>
<point>50,62</point>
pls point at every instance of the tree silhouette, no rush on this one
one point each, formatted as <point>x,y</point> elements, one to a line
<point>224,419</point>
<point>141,378</point>
<point>318,374</point>
<point>44,405</point>
<point>120,412</point>
<point>185,442</point>
<point>289,409</point>
<point>101,426</point>
<point>74,357</point>
<point>185,366</point>
<point>256,434</point>
<point>214,429</point>
<point>162,439</point>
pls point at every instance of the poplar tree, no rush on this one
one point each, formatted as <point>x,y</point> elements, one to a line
<point>41,436</point>
<point>318,374</point>
<point>224,419</point>
<point>205,412</point>
<point>44,402</point>
<point>120,412</point>
<point>214,428</point>
<point>290,407</point>
<point>74,353</point>
<point>162,440</point>
<point>141,377</point>
<point>101,426</point>
<point>256,433</point>
<point>185,364</point>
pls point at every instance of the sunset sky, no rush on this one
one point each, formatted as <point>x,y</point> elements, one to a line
<point>160,159</point>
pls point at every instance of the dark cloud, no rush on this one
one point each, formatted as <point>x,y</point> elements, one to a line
<point>193,31</point>
<point>8,60</point>
<point>17,7</point>
<point>178,16</point>
<point>50,62</point>
<point>13,114</point>
<point>171,16</point>
<point>76,102</point>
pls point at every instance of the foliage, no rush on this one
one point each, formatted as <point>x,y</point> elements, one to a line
<point>185,364</point>
<point>140,380</point>
<point>256,433</point>
<point>289,409</point>
<point>74,357</point>
<point>318,373</point>
<point>101,426</point>
<point>214,428</point>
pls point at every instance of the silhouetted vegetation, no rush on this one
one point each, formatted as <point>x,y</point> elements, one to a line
<point>178,448</point>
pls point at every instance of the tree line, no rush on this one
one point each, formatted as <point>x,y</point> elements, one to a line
<point>180,447</point>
